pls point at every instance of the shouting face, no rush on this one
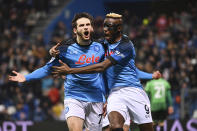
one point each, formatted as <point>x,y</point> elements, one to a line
<point>83,29</point>
<point>111,29</point>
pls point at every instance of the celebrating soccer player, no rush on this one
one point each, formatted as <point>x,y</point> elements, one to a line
<point>83,92</point>
<point>126,92</point>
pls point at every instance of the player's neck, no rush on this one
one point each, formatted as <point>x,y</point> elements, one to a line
<point>118,38</point>
<point>83,42</point>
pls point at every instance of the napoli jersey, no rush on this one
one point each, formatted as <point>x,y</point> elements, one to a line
<point>123,73</point>
<point>85,87</point>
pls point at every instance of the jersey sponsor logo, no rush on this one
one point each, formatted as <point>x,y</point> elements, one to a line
<point>73,52</point>
<point>119,54</point>
<point>84,59</point>
<point>66,110</point>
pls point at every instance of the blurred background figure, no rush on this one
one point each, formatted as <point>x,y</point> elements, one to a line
<point>159,92</point>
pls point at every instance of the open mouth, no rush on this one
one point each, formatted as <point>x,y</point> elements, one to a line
<point>86,33</point>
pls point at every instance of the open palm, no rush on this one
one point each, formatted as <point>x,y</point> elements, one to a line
<point>19,77</point>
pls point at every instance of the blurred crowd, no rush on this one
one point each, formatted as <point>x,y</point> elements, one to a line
<point>165,42</point>
<point>168,42</point>
<point>37,100</point>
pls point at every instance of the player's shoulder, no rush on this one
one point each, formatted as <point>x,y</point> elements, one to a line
<point>99,42</point>
<point>126,41</point>
<point>96,43</point>
<point>125,38</point>
<point>66,43</point>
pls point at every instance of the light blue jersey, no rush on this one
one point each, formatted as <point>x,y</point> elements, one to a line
<point>85,87</point>
<point>124,72</point>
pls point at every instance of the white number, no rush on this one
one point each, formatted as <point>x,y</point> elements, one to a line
<point>160,91</point>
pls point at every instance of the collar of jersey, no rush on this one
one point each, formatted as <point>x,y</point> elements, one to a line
<point>114,45</point>
<point>83,45</point>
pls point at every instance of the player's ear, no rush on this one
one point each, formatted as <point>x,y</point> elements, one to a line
<point>74,30</point>
<point>119,28</point>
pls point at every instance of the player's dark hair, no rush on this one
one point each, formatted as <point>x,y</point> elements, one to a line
<point>81,15</point>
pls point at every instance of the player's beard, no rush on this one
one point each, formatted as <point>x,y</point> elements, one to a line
<point>83,36</point>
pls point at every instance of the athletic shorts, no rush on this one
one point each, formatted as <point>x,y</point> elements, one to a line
<point>106,121</point>
<point>90,112</point>
<point>132,100</point>
<point>160,115</point>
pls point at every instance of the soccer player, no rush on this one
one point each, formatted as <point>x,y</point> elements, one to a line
<point>160,99</point>
<point>83,92</point>
<point>126,91</point>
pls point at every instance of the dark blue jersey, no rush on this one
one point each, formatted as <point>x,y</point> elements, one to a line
<point>124,72</point>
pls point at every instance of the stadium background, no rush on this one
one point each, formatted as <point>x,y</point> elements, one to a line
<point>164,33</point>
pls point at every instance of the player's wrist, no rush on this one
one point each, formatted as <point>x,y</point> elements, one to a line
<point>70,71</point>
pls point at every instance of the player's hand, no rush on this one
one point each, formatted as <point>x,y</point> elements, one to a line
<point>105,109</point>
<point>170,110</point>
<point>53,51</point>
<point>18,78</point>
<point>63,69</point>
<point>156,75</point>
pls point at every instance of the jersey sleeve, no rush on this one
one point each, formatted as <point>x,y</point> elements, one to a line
<point>122,53</point>
<point>43,71</point>
<point>143,75</point>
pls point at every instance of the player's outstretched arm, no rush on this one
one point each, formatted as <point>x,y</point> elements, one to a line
<point>37,74</point>
<point>64,69</point>
<point>18,78</point>
<point>145,75</point>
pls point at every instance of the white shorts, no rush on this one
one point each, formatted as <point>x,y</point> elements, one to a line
<point>90,112</point>
<point>106,121</point>
<point>132,100</point>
